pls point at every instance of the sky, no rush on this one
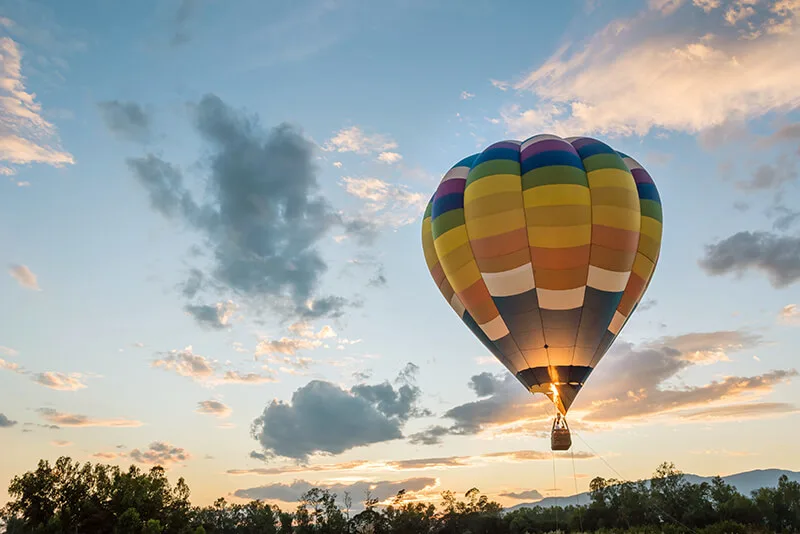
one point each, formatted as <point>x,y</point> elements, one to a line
<point>210,225</point>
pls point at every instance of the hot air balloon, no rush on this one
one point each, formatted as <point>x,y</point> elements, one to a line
<point>544,248</point>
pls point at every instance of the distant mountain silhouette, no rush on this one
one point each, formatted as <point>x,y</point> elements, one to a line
<point>743,482</point>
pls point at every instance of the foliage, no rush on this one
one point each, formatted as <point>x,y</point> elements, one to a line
<point>71,498</point>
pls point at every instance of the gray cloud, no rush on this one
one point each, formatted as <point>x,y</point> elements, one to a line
<point>776,255</point>
<point>215,317</point>
<point>5,422</point>
<point>381,490</point>
<point>323,418</point>
<point>524,495</point>
<point>502,399</point>
<point>159,453</point>
<point>788,132</point>
<point>783,217</point>
<point>769,176</point>
<point>181,19</point>
<point>127,120</point>
<point>264,216</point>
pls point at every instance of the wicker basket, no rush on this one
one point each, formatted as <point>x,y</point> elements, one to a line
<point>560,438</point>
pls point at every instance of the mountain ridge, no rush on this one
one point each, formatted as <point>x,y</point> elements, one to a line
<point>744,482</point>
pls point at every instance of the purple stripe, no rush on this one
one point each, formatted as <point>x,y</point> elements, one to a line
<point>583,141</point>
<point>504,144</point>
<point>547,145</point>
<point>455,185</point>
<point>641,176</point>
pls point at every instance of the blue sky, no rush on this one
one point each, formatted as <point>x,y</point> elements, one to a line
<point>148,151</point>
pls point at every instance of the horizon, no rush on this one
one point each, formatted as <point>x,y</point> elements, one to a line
<point>155,154</point>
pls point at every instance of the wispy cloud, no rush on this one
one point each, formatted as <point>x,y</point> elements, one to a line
<point>59,381</point>
<point>25,136</point>
<point>199,368</point>
<point>413,464</point>
<point>385,204</point>
<point>60,443</point>
<point>790,314</point>
<point>76,420</point>
<point>216,316</point>
<point>213,407</point>
<point>24,276</point>
<point>466,95</point>
<point>632,77</point>
<point>354,139</point>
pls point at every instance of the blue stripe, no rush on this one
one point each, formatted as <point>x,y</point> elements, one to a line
<point>648,192</point>
<point>466,162</point>
<point>622,154</point>
<point>593,149</point>
<point>551,157</point>
<point>453,201</point>
<point>496,153</point>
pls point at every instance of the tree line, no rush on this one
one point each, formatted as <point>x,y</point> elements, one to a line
<point>71,498</point>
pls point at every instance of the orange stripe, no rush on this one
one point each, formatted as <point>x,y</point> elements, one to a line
<point>615,238</point>
<point>633,292</point>
<point>491,247</point>
<point>560,258</point>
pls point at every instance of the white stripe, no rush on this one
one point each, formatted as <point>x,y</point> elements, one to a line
<point>616,323</point>
<point>495,329</point>
<point>456,173</point>
<point>606,280</point>
<point>513,282</point>
<point>537,139</point>
<point>457,305</point>
<point>632,163</point>
<point>564,299</point>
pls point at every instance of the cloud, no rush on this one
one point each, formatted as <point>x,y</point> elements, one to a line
<point>106,455</point>
<point>504,405</point>
<point>5,422</point>
<point>8,351</point>
<point>11,366</point>
<point>24,277</point>
<point>353,139</point>
<point>235,377</point>
<point>324,418</point>
<point>389,157</point>
<point>787,132</point>
<point>633,76</point>
<point>739,412</point>
<point>785,218</point>
<point>530,495</point>
<point>127,120</point>
<point>75,420</point>
<point>466,95</point>
<point>213,407</point>
<point>633,382</point>
<point>790,314</point>
<point>25,136</point>
<point>59,381</point>
<point>182,16</point>
<point>778,256</point>
<point>769,176</point>
<point>186,363</point>
<point>60,443</point>
<point>264,215</point>
<point>215,317</point>
<point>413,464</point>
<point>380,490</point>
<point>385,203</point>
<point>199,368</point>
<point>160,453</point>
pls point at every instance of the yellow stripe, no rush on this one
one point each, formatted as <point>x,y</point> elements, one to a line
<point>651,227</point>
<point>489,185</point>
<point>496,203</point>
<point>557,195</point>
<point>615,217</point>
<point>649,246</point>
<point>496,224</point>
<point>611,178</point>
<point>615,196</point>
<point>458,257</point>
<point>643,266</point>
<point>463,277</point>
<point>450,240</point>
<point>559,237</point>
<point>428,249</point>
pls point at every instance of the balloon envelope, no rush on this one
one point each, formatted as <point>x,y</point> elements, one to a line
<point>544,248</point>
